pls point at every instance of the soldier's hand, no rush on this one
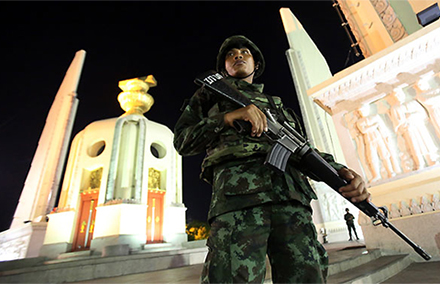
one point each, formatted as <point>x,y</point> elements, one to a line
<point>250,113</point>
<point>356,189</point>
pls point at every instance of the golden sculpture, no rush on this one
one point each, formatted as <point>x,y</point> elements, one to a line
<point>134,98</point>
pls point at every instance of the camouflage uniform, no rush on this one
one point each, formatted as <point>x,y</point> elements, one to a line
<point>253,209</point>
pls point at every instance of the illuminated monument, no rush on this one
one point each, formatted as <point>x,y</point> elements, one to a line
<point>122,187</point>
<point>385,110</point>
<point>309,68</point>
<point>379,116</point>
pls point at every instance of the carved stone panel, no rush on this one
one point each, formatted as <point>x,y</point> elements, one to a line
<point>399,133</point>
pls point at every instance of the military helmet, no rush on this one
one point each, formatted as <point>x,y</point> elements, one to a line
<point>239,41</point>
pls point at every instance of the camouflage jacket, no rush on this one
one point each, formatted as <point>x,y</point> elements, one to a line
<point>234,162</point>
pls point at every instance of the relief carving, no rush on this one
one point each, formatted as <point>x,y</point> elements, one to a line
<point>14,248</point>
<point>400,132</point>
<point>331,211</point>
<point>418,205</point>
<point>404,209</point>
<point>378,141</point>
<point>415,207</point>
<point>358,140</point>
<point>389,19</point>
<point>95,178</point>
<point>394,211</point>
<point>411,122</point>
<point>426,205</point>
<point>436,201</point>
<point>428,96</point>
<point>153,178</point>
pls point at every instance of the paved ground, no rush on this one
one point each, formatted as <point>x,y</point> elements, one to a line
<point>191,274</point>
<point>419,273</point>
<point>416,273</point>
<point>424,272</point>
<point>187,274</point>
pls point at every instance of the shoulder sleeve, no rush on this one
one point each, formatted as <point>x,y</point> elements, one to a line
<point>331,160</point>
<point>197,127</point>
<point>294,159</point>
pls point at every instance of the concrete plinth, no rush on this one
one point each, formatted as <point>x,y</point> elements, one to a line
<point>134,242</point>
<point>54,250</point>
<point>116,250</point>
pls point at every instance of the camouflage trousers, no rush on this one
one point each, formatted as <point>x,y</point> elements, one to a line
<point>239,241</point>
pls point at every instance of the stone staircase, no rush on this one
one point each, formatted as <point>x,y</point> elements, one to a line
<point>359,265</point>
<point>88,265</point>
<point>352,264</point>
<point>362,266</point>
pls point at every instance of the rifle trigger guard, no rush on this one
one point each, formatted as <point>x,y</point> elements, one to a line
<point>378,221</point>
<point>384,210</point>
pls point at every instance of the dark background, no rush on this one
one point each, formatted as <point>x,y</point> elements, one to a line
<point>174,41</point>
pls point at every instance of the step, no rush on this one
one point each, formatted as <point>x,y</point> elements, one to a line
<point>159,247</point>
<point>22,263</point>
<point>374,271</point>
<point>420,272</point>
<point>78,254</point>
<point>343,260</point>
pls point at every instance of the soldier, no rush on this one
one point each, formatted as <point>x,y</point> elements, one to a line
<point>349,220</point>
<point>253,210</point>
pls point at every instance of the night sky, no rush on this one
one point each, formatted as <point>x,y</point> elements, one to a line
<point>174,41</point>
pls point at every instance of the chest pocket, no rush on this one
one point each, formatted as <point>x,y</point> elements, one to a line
<point>214,110</point>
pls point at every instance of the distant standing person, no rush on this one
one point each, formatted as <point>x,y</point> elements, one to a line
<point>349,219</point>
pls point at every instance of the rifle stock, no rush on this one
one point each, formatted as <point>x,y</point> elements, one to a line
<point>288,141</point>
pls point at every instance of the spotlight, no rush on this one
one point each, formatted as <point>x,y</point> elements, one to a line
<point>428,15</point>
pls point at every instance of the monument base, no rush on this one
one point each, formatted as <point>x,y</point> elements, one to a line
<point>54,250</point>
<point>134,242</point>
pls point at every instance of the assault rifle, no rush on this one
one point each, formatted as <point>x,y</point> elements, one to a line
<point>287,141</point>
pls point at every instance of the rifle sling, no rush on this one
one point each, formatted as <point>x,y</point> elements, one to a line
<point>279,112</point>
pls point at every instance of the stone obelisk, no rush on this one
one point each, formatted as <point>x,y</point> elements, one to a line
<point>39,193</point>
<point>309,68</point>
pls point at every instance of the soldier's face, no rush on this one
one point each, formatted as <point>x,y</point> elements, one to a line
<point>239,62</point>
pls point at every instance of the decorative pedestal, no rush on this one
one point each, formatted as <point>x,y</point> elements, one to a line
<point>120,224</point>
